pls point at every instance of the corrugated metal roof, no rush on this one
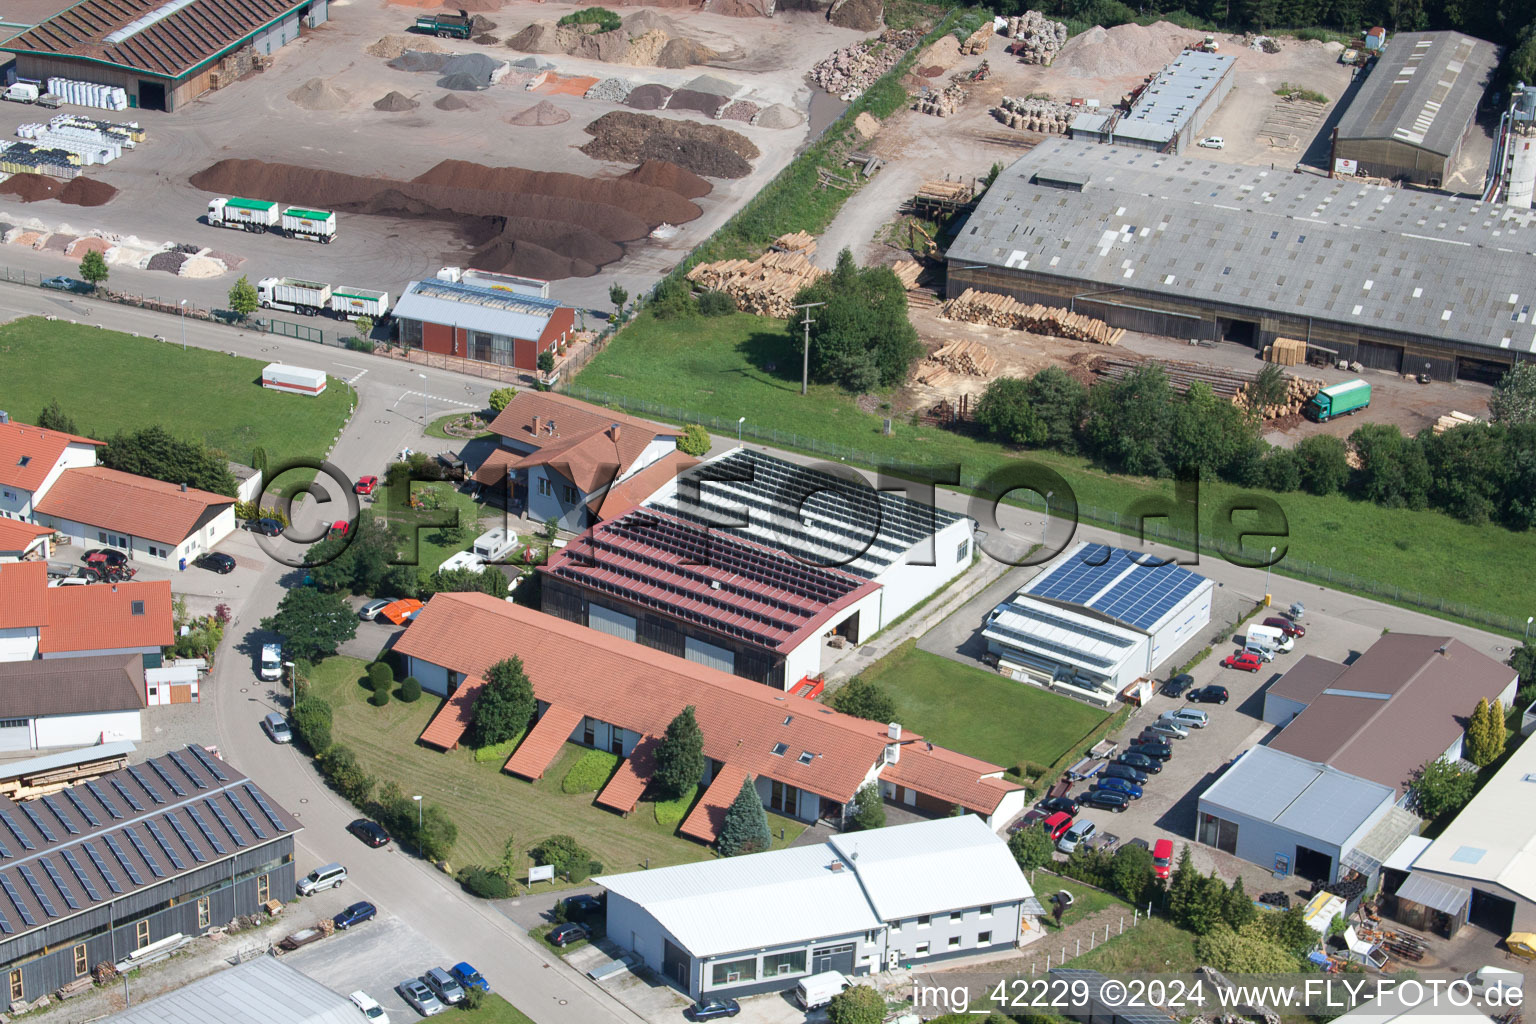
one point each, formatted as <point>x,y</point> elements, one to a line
<point>798,894</point>
<point>476,309</point>
<point>65,758</point>
<point>1303,796</point>
<point>1432,892</point>
<point>1173,95</point>
<point>1423,90</point>
<point>261,991</point>
<point>1506,841</point>
<point>1059,635</point>
<point>1296,245</point>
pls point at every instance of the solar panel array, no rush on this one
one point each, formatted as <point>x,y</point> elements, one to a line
<point>186,837</point>
<point>165,844</point>
<point>249,821</point>
<point>202,826</point>
<point>84,809</point>
<point>127,795</point>
<point>122,858</point>
<point>266,808</point>
<point>18,902</point>
<point>38,891</point>
<point>101,866</point>
<point>102,799</point>
<point>186,769</point>
<point>138,844</point>
<point>138,776</point>
<point>21,837</point>
<point>58,812</point>
<point>85,879</point>
<point>167,778</point>
<point>209,763</point>
<point>59,883</point>
<point>1118,584</point>
<point>38,822</point>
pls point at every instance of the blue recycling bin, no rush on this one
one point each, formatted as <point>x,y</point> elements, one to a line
<point>183,565</point>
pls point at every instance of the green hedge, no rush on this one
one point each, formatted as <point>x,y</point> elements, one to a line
<point>590,772</point>
<point>499,751</point>
<point>670,813</point>
<point>483,882</point>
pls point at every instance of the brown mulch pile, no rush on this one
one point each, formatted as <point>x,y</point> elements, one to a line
<point>704,149</point>
<point>60,243</point>
<point>395,101</point>
<point>697,155</point>
<point>648,97</point>
<point>451,102</point>
<point>516,215</point>
<point>671,177</point>
<point>168,261</point>
<point>29,188</point>
<point>706,103</point>
<point>87,192</point>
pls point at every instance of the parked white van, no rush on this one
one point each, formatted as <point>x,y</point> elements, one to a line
<point>1498,985</point>
<point>817,990</point>
<point>1270,637</point>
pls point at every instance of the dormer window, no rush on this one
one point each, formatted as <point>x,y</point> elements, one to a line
<point>138,608</point>
<point>24,460</point>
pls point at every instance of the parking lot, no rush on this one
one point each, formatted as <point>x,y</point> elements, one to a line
<point>374,956</point>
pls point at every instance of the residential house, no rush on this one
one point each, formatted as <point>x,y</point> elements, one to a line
<point>149,520</point>
<point>39,621</point>
<point>602,691</point>
<point>31,459</point>
<point>21,541</point>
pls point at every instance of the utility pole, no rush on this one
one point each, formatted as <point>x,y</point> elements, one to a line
<point>805,360</point>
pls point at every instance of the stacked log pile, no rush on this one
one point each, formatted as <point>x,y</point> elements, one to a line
<point>797,241</point>
<point>941,104</point>
<point>907,272</point>
<point>1298,392</point>
<point>766,286</point>
<point>945,192</point>
<point>1034,115</point>
<point>978,307</point>
<point>1036,39</point>
<point>968,357</point>
<point>1454,419</point>
<point>977,41</point>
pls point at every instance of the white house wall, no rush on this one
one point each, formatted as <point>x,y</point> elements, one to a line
<point>658,449</point>
<point>19,644</point>
<point>803,661</point>
<point>905,583</point>
<point>1186,620</point>
<point>139,549</point>
<point>83,730</point>
<point>18,504</point>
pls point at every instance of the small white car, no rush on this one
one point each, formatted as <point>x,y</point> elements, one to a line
<point>370,610</point>
<point>1189,718</point>
<point>1213,142</point>
<point>372,1010</point>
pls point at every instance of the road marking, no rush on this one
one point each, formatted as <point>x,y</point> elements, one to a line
<point>359,375</point>
<point>437,398</point>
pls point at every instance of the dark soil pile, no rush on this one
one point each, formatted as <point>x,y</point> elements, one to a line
<point>486,39</point>
<point>420,61</point>
<point>708,104</point>
<point>86,192</point>
<point>670,177</point>
<point>29,188</point>
<point>59,242</point>
<point>395,101</point>
<point>648,97</point>
<point>514,216</point>
<point>864,15</point>
<point>697,155</point>
<point>168,261</point>
<point>536,38</point>
<point>451,102</point>
<point>480,24</point>
<point>619,135</point>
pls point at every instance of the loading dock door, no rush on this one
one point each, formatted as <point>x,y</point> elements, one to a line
<point>674,963</point>
<point>1479,371</point>
<point>151,95</point>
<point>833,958</point>
<point>16,737</point>
<point>1379,357</point>
<point>1493,913</point>
<point>1314,865</point>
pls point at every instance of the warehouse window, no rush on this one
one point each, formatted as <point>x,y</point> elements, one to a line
<point>141,935</point>
<point>954,942</point>
<point>922,949</point>
<point>734,971</point>
<point>16,990</point>
<point>784,963</point>
<point>568,493</point>
<point>81,961</point>
<point>263,889</point>
<point>983,938</point>
<point>12,723</point>
<point>204,913</point>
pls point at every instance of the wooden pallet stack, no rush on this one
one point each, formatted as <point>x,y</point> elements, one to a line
<point>1454,419</point>
<point>766,286</point>
<point>979,307</point>
<point>1286,352</point>
<point>907,272</point>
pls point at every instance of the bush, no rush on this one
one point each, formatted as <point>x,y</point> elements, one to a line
<point>410,690</point>
<point>1031,847</point>
<point>716,304</point>
<point>501,397</point>
<point>357,344</point>
<point>694,440</point>
<point>312,724</point>
<point>483,882</point>
<point>590,772</point>
<point>379,698</point>
<point>670,813</point>
<point>868,808</point>
<point>858,1005</point>
<point>569,858</point>
<point>381,679</point>
<point>604,19</point>
<point>339,766</point>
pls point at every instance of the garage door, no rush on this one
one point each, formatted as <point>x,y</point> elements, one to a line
<point>15,734</point>
<point>1480,371</point>
<point>607,620</point>
<point>1494,913</point>
<point>833,958</point>
<point>181,693</point>
<point>1380,357</point>
<point>713,655</point>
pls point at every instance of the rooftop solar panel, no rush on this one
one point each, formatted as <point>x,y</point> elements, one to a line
<point>239,805</point>
<point>186,837</point>
<point>138,844</point>
<point>101,798</point>
<point>21,837</point>
<point>122,858</point>
<point>266,808</point>
<point>218,812</point>
<point>101,866</point>
<point>38,822</point>
<point>58,812</point>
<point>127,794</point>
<point>1126,586</point>
<point>186,769</point>
<point>144,784</point>
<point>59,883</point>
<point>167,778</point>
<point>84,808</point>
<point>5,924</point>
<point>165,844</point>
<point>202,826</point>
<point>208,762</point>
<point>38,891</point>
<point>21,908</point>
<point>85,879</point>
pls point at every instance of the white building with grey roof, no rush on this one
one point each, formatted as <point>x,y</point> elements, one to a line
<point>1184,247</point>
<point>260,991</point>
<point>1168,112</point>
<point>857,904</point>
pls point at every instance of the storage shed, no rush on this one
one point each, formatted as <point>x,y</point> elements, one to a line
<point>296,380</point>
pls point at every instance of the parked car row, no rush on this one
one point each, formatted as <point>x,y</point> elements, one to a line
<point>441,987</point>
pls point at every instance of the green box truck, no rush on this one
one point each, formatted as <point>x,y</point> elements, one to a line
<point>446,26</point>
<point>1340,400</point>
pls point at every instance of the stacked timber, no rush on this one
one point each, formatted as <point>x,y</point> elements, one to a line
<point>979,307</point>
<point>798,241</point>
<point>907,272</point>
<point>1286,352</point>
<point>945,192</point>
<point>977,41</point>
<point>766,286</point>
<point>1454,419</point>
<point>1229,384</point>
<point>968,357</point>
<point>935,375</point>
<point>1298,392</point>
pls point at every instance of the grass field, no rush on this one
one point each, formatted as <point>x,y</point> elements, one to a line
<point>1152,947</point>
<point>487,805</point>
<point>980,713</point>
<point>421,538</point>
<point>749,366</point>
<point>1086,899</point>
<point>194,394</point>
<point>494,1010</point>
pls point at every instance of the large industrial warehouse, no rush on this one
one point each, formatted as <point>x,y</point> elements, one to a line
<point>1400,281</point>
<point>1170,110</point>
<point>163,55</point>
<point>1417,106</point>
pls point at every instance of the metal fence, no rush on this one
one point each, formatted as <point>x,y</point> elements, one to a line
<point>1155,529</point>
<point>303,332</point>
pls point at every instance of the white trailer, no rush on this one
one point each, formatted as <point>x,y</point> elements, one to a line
<point>242,214</point>
<point>307,297</point>
<point>314,225</point>
<point>296,380</point>
<point>349,303</point>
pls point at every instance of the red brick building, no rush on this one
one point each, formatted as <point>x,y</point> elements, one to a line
<point>482,322</point>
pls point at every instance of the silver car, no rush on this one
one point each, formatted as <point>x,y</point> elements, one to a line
<point>277,728</point>
<point>415,992</point>
<point>1189,718</point>
<point>444,985</point>
<point>1167,729</point>
<point>371,610</point>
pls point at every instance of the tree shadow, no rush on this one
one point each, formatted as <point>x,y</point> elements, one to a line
<point>775,359</point>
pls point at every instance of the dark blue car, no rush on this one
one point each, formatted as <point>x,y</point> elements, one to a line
<point>468,977</point>
<point>1125,786</point>
<point>357,913</point>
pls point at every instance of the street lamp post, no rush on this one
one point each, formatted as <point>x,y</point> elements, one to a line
<point>183,325</point>
<point>1267,566</point>
<point>739,421</point>
<point>1528,620</point>
<point>418,818</point>
<point>423,396</point>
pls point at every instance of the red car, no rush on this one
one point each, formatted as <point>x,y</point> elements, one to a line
<point>1162,857</point>
<point>340,528</point>
<point>1286,626</point>
<point>365,485</point>
<point>1057,824</point>
<point>1244,660</point>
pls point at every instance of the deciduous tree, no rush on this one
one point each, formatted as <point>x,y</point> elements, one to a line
<point>153,452</point>
<point>313,624</point>
<point>861,339</point>
<point>868,808</point>
<point>863,699</point>
<point>93,268</point>
<point>243,300</point>
<point>1514,398</point>
<point>1442,787</point>
<point>860,1004</point>
<point>1006,413</point>
<point>1393,471</point>
<point>505,704</point>
<point>694,440</point>
<point>1131,871</point>
<point>1324,464</point>
<point>1031,847</point>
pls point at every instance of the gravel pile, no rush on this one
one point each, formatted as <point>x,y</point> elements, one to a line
<point>59,242</point>
<point>451,102</point>
<point>682,53</point>
<point>541,114</point>
<point>390,47</point>
<point>168,261</point>
<point>429,61</point>
<point>532,64</point>
<point>318,94</point>
<point>851,70</point>
<point>610,90</point>
<point>395,101</point>
<point>649,97</point>
<point>864,15</point>
<point>778,116</point>
<point>739,110</point>
<point>1129,49</point>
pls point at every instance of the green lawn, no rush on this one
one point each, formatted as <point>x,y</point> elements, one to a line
<point>109,381</point>
<point>1152,947</point>
<point>978,712</point>
<point>420,526</point>
<point>488,805</point>
<point>494,1010</point>
<point>1086,899</point>
<point>722,368</point>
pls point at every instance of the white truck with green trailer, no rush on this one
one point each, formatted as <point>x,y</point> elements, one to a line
<point>314,225</point>
<point>260,215</point>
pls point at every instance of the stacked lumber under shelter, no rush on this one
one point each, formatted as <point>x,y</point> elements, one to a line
<point>978,307</point>
<point>1454,419</point>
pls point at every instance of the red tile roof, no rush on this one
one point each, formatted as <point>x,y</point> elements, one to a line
<point>627,786</point>
<point>642,690</point>
<point>124,503</point>
<point>169,47</point>
<point>745,591</point>
<point>543,742</point>
<point>22,602</point>
<point>453,718</point>
<point>28,453</point>
<point>101,617</point>
<point>628,493</point>
<point>708,815</point>
<point>949,775</point>
<point>16,535</point>
<point>573,438</point>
